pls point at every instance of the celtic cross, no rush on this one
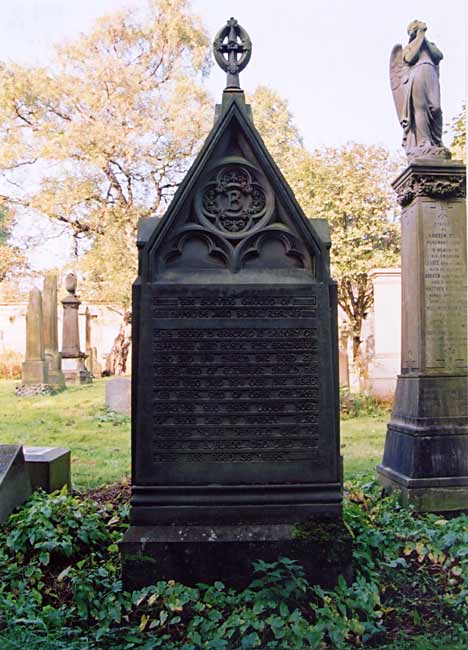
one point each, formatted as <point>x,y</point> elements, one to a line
<point>232,50</point>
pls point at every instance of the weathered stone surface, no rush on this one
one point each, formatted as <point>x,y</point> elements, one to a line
<point>48,467</point>
<point>52,354</point>
<point>15,484</point>
<point>73,366</point>
<point>118,394</point>
<point>235,368</point>
<point>426,449</point>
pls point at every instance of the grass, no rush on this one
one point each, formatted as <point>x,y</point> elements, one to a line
<point>100,441</point>
<point>75,419</point>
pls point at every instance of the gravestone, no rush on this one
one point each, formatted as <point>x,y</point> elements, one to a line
<point>48,467</point>
<point>118,395</point>
<point>34,371</point>
<point>73,365</point>
<point>426,448</point>
<point>235,427</point>
<point>15,484</point>
<point>52,354</point>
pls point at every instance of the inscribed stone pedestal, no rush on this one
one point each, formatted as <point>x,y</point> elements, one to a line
<point>235,430</point>
<point>426,450</point>
<point>52,354</point>
<point>15,484</point>
<point>73,366</point>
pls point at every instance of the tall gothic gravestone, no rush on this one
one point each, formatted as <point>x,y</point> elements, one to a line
<point>426,449</point>
<point>235,427</point>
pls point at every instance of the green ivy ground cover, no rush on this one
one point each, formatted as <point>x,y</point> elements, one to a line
<point>60,587</point>
<point>100,441</point>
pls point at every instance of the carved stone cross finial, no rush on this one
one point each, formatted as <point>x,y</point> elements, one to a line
<point>232,49</point>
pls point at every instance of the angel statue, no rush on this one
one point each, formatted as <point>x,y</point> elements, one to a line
<point>414,77</point>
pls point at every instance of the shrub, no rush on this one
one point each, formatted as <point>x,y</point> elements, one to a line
<point>354,405</point>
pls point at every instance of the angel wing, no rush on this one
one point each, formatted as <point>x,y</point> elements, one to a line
<point>399,75</point>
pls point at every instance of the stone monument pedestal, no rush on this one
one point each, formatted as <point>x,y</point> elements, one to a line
<point>73,360</point>
<point>426,449</point>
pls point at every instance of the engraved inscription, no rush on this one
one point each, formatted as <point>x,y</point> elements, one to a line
<point>445,278</point>
<point>235,394</point>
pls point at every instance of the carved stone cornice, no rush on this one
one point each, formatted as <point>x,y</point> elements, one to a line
<point>436,180</point>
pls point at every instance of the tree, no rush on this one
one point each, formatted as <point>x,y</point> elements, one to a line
<point>459,134</point>
<point>350,186</point>
<point>102,137</point>
<point>11,257</point>
<point>275,123</point>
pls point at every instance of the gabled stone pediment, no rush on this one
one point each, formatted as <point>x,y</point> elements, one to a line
<point>234,212</point>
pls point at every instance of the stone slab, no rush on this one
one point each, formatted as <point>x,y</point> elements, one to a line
<point>15,484</point>
<point>48,467</point>
<point>192,554</point>
<point>118,395</point>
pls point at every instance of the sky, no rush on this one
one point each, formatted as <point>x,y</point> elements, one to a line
<point>328,58</point>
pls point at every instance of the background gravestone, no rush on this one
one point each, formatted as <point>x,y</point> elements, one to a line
<point>73,365</point>
<point>426,449</point>
<point>52,354</point>
<point>118,394</point>
<point>15,484</point>
<point>235,428</point>
<point>34,370</point>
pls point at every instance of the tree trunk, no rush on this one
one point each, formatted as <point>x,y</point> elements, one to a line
<point>116,363</point>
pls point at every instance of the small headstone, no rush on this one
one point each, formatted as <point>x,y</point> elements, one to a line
<point>73,366</point>
<point>118,395</point>
<point>15,484</point>
<point>34,371</point>
<point>48,467</point>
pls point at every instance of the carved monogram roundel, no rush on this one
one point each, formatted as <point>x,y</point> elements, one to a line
<point>234,202</point>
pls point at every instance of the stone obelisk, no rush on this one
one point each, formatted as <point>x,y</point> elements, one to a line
<point>34,373</point>
<point>73,365</point>
<point>52,354</point>
<point>426,448</point>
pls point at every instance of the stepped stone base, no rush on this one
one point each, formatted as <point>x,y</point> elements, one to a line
<point>191,554</point>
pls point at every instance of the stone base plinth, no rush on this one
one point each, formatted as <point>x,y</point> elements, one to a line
<point>75,371</point>
<point>191,554</point>
<point>426,448</point>
<point>31,390</point>
<point>446,494</point>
